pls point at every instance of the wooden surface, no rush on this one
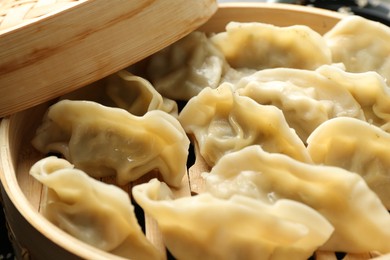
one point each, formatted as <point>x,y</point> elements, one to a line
<point>21,12</point>
<point>69,49</point>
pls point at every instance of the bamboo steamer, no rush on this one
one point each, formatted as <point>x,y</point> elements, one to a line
<point>34,237</point>
<point>50,47</point>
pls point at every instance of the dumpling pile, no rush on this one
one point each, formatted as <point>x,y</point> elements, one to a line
<point>239,225</point>
<point>292,129</point>
<point>223,122</point>
<point>105,141</point>
<point>342,197</point>
<point>97,213</point>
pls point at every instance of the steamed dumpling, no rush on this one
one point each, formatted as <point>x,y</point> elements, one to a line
<point>223,122</point>
<point>104,141</point>
<point>184,68</point>
<point>260,46</point>
<point>361,44</point>
<point>136,95</point>
<point>94,212</point>
<point>361,222</point>
<point>369,89</point>
<point>205,227</point>
<point>358,147</point>
<point>127,91</point>
<point>307,98</point>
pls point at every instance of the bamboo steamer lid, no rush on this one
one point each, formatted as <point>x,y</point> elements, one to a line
<point>35,237</point>
<point>51,47</point>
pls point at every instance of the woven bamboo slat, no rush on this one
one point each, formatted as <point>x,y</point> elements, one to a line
<point>71,44</point>
<point>19,12</point>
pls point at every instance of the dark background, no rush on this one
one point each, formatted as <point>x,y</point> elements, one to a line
<point>6,251</point>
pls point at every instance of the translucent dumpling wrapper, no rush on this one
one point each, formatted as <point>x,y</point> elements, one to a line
<point>358,147</point>
<point>95,91</point>
<point>184,68</point>
<point>260,46</point>
<point>235,75</point>
<point>96,213</point>
<point>205,227</point>
<point>369,89</point>
<point>105,141</point>
<point>307,98</point>
<point>361,222</point>
<point>137,95</point>
<point>361,44</point>
<point>223,122</point>
<point>127,91</point>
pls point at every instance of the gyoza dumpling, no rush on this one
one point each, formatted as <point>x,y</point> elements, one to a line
<point>260,46</point>
<point>361,44</point>
<point>94,212</point>
<point>127,91</point>
<point>369,89</point>
<point>361,222</point>
<point>223,122</point>
<point>358,147</point>
<point>205,227</point>
<point>307,98</point>
<point>136,94</point>
<point>183,69</point>
<point>104,141</point>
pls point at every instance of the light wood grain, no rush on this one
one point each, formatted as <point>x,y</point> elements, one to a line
<point>70,49</point>
<point>197,184</point>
